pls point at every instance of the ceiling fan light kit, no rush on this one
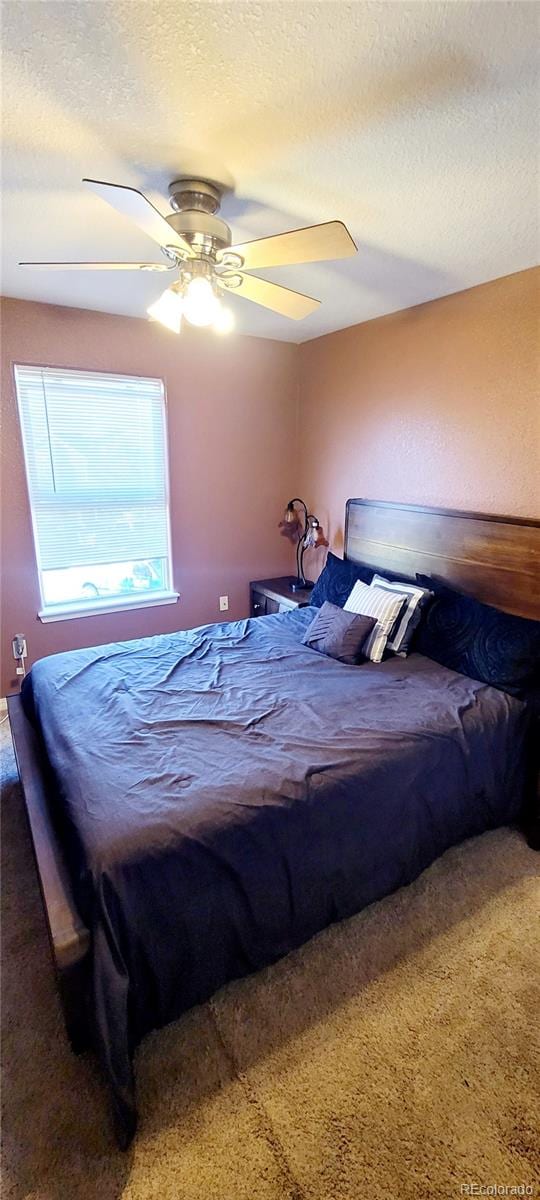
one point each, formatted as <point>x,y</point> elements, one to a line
<point>198,245</point>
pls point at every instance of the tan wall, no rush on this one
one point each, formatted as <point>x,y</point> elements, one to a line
<point>232,432</point>
<point>438,404</point>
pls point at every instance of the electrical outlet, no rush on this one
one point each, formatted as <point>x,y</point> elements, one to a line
<point>18,646</point>
<point>223,603</point>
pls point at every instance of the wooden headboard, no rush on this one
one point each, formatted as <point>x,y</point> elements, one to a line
<point>496,559</point>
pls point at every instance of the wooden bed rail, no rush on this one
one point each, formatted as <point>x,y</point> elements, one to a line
<point>69,938</point>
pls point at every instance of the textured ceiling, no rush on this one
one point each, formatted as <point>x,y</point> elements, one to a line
<point>415,123</point>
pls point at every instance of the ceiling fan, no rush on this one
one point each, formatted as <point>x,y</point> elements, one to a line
<point>198,245</point>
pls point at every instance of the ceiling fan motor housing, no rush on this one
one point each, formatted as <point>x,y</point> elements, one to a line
<point>195,202</point>
<point>201,230</point>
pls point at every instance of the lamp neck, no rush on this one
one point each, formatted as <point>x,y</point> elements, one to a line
<point>300,545</point>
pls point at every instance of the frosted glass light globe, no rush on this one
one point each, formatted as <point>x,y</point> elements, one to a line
<point>201,304</point>
<point>167,310</point>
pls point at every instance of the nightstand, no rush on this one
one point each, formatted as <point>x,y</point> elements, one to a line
<point>275,595</point>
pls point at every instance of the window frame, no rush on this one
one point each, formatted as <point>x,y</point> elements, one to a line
<point>126,602</point>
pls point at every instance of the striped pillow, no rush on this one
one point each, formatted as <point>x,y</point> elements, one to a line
<point>384,606</point>
<point>400,639</point>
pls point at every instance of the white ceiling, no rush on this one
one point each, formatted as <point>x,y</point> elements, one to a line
<point>415,123</point>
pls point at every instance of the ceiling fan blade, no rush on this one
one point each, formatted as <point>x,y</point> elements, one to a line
<point>131,203</point>
<point>271,295</point>
<point>314,244</point>
<point>98,266</point>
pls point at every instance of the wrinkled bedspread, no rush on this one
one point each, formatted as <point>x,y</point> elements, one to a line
<point>230,792</point>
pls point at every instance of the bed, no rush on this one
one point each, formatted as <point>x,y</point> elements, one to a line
<point>202,803</point>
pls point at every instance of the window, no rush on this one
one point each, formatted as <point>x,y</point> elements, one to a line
<point>96,463</point>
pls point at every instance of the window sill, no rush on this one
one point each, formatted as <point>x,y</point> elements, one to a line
<point>69,612</point>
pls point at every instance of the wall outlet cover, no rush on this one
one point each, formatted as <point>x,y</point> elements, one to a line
<point>223,603</point>
<point>18,646</point>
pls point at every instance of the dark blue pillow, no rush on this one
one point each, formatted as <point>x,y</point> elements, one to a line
<point>337,579</point>
<point>479,640</point>
<point>338,634</point>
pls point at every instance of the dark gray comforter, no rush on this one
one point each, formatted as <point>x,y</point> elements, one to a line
<point>229,792</point>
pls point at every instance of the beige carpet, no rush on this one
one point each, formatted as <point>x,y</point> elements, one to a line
<point>392,1057</point>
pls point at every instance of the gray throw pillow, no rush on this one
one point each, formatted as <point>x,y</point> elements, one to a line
<point>338,634</point>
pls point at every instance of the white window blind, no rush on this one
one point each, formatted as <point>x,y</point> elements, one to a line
<point>96,461</point>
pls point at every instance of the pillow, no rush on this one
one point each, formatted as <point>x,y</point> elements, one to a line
<point>400,639</point>
<point>337,633</point>
<point>479,640</point>
<point>386,607</point>
<point>336,580</point>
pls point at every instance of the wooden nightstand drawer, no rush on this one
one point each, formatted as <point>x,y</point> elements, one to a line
<point>275,595</point>
<point>258,604</point>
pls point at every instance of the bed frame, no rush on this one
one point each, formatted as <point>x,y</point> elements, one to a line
<point>494,558</point>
